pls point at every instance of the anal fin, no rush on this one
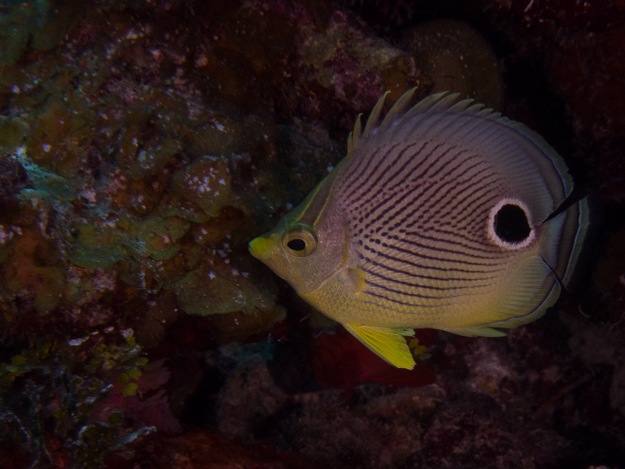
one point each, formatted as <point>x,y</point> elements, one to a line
<point>388,343</point>
<point>479,331</point>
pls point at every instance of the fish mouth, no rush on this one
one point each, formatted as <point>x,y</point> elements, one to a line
<point>259,247</point>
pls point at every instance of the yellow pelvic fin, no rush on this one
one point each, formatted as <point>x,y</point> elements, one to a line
<point>387,343</point>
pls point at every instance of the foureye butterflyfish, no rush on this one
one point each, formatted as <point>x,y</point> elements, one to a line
<point>447,216</point>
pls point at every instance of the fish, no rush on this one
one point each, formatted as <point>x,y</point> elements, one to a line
<point>443,215</point>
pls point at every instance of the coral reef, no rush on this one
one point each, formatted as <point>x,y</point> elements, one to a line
<point>143,144</point>
<point>456,58</point>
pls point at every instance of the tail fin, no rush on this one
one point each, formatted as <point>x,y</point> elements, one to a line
<point>567,236</point>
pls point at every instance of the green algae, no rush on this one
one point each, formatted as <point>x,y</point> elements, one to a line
<point>60,135</point>
<point>26,361</point>
<point>141,169</point>
<point>207,183</point>
<point>48,186</point>
<point>33,265</point>
<point>175,206</point>
<point>15,31</point>
<point>158,237</point>
<point>149,160</point>
<point>456,58</point>
<point>42,24</point>
<point>137,274</point>
<point>12,132</point>
<point>219,137</point>
<point>57,387</point>
<point>4,253</point>
<point>59,18</point>
<point>221,288</point>
<point>95,248</point>
<point>96,257</point>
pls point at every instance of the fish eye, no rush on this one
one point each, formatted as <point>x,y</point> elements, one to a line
<point>509,224</point>
<point>300,241</point>
<point>296,244</point>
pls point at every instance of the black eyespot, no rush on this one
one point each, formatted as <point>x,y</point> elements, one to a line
<point>296,244</point>
<point>511,224</point>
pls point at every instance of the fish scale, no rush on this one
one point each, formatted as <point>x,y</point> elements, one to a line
<point>409,230</point>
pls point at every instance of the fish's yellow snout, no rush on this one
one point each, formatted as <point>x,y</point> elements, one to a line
<point>260,246</point>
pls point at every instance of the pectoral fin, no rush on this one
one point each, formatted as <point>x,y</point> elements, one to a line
<point>387,343</point>
<point>356,280</point>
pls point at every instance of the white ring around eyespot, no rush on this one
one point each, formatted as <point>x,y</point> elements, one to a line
<point>491,225</point>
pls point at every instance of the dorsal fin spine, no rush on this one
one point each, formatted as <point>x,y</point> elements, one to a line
<point>398,108</point>
<point>374,117</point>
<point>354,138</point>
<point>425,104</point>
<point>461,106</point>
<point>475,108</point>
<point>445,103</point>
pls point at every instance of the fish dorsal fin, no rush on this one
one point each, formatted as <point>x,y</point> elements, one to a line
<point>436,106</point>
<point>374,117</point>
<point>426,104</point>
<point>397,110</point>
<point>445,103</point>
<point>438,100</point>
<point>436,103</point>
<point>355,136</point>
<point>475,108</point>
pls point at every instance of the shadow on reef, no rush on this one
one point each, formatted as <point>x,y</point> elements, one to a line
<point>143,144</point>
